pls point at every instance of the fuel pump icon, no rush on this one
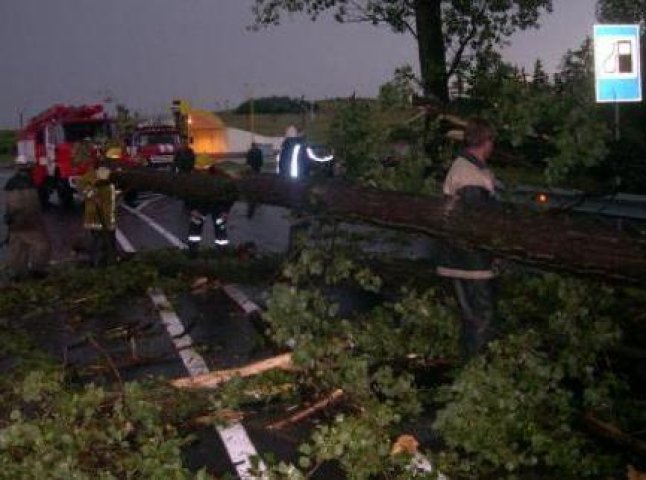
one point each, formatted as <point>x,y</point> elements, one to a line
<point>619,59</point>
<point>624,56</point>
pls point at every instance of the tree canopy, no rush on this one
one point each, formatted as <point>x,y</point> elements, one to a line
<point>449,33</point>
<point>621,10</point>
<point>276,105</point>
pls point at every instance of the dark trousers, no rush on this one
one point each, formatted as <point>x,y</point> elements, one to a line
<point>103,247</point>
<point>477,302</point>
<point>28,251</point>
<point>196,225</point>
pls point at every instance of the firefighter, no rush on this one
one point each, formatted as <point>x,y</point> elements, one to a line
<point>29,245</point>
<point>292,159</point>
<point>100,214</point>
<point>200,210</point>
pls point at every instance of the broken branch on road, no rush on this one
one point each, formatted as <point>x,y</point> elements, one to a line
<point>218,377</point>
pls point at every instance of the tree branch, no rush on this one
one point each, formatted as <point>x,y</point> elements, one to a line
<point>457,57</point>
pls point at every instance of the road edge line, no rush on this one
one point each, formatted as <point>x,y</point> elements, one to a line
<point>156,226</point>
<point>123,242</point>
<point>241,299</point>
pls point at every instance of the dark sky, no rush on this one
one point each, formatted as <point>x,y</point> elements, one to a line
<point>145,52</point>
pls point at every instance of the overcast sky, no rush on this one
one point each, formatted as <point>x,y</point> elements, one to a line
<point>145,52</point>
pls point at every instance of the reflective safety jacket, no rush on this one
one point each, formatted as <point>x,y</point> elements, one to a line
<point>469,183</point>
<point>100,202</point>
<point>292,159</point>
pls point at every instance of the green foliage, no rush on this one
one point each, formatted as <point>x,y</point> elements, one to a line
<point>357,137</point>
<point>50,428</point>
<point>398,92</point>
<point>276,105</point>
<point>509,413</point>
<point>78,290</point>
<point>518,407</point>
<point>409,175</point>
<point>362,354</point>
<point>621,11</point>
<point>7,142</point>
<point>563,119</point>
<point>62,433</point>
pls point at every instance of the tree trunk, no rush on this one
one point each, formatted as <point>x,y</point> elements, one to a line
<point>431,48</point>
<point>555,241</point>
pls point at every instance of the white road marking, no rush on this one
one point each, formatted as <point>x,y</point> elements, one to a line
<point>157,227</point>
<point>238,296</point>
<point>124,243</point>
<point>193,361</point>
<point>147,201</point>
<point>235,437</point>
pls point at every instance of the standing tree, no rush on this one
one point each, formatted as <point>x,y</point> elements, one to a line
<point>621,11</point>
<point>539,76</point>
<point>449,33</point>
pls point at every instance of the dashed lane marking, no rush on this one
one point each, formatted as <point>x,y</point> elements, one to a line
<point>235,294</point>
<point>235,438</point>
<point>156,226</point>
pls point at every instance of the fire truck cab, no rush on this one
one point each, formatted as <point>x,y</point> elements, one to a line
<point>62,143</point>
<point>155,145</point>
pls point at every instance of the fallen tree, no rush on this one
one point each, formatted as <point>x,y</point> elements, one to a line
<point>553,240</point>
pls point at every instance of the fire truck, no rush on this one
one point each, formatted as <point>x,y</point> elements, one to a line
<point>62,142</point>
<point>155,144</point>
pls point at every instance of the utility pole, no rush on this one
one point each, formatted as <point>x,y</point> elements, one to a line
<point>252,119</point>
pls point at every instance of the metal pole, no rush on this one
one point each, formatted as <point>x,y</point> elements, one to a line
<point>617,130</point>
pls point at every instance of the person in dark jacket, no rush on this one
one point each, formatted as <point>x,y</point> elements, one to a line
<point>470,184</point>
<point>29,246</point>
<point>254,158</point>
<point>255,161</point>
<point>184,159</point>
<point>292,159</point>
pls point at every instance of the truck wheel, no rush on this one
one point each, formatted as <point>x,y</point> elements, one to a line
<point>65,194</point>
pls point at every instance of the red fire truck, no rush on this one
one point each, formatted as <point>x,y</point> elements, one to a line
<point>52,142</point>
<point>155,144</point>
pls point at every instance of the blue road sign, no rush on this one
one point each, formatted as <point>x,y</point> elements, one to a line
<point>617,63</point>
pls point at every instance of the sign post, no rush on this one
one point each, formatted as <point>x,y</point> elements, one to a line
<point>617,66</point>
